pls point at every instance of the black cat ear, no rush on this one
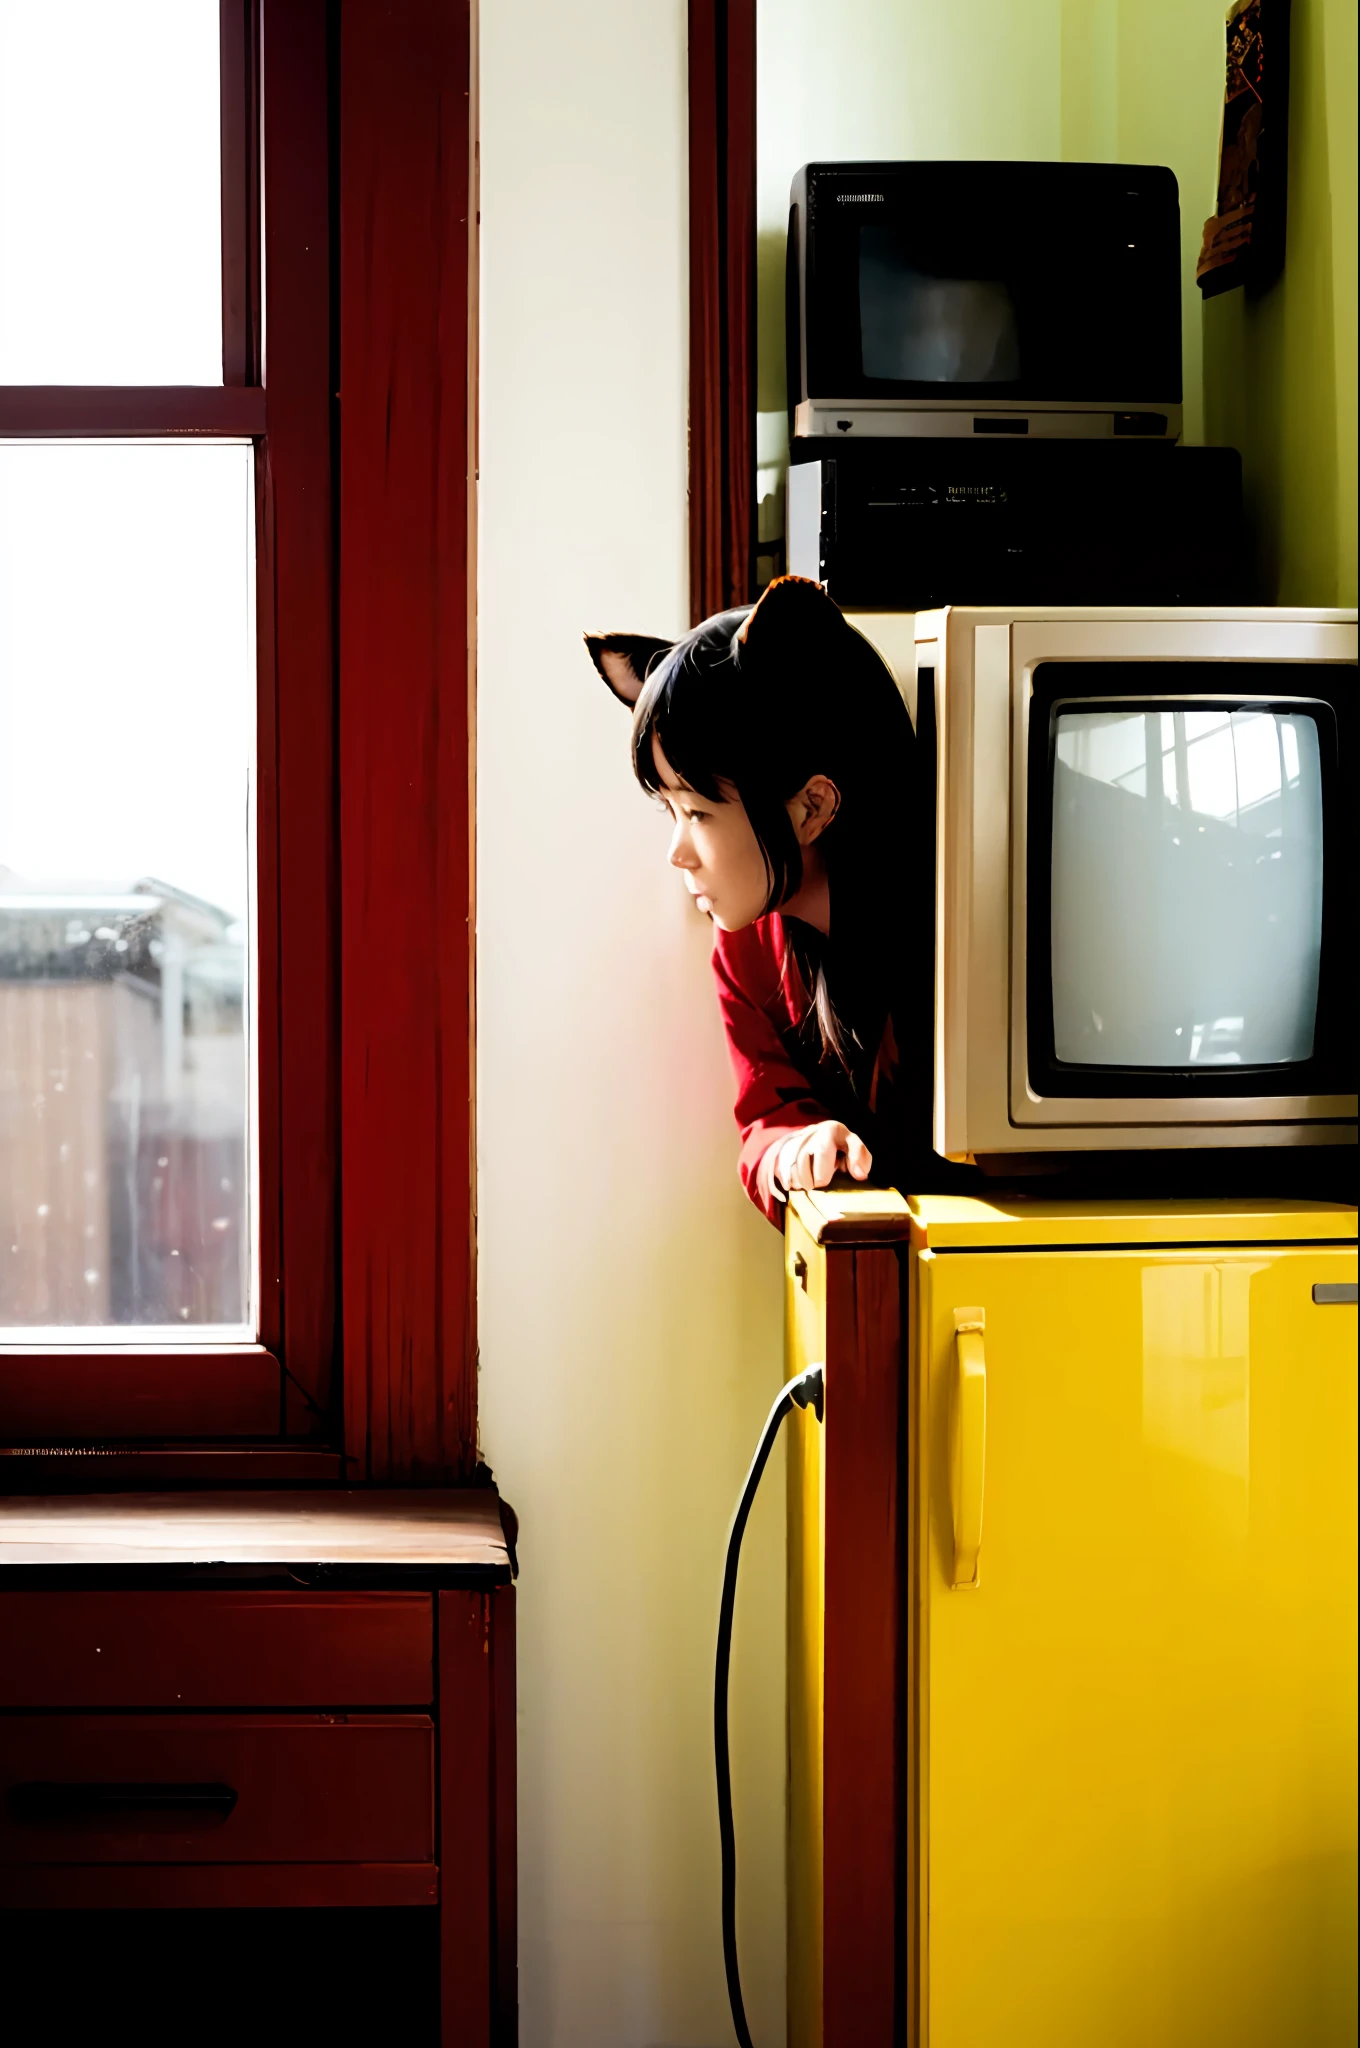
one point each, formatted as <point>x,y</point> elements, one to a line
<point>789,612</point>
<point>623,659</point>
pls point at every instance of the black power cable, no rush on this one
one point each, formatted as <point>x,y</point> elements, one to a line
<point>802,1392</point>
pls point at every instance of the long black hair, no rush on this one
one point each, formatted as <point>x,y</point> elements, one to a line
<point>762,699</point>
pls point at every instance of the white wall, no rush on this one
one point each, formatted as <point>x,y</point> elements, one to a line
<point>630,1298</point>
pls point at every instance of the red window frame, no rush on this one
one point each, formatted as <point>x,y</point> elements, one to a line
<point>346,240</point>
<point>722,305</point>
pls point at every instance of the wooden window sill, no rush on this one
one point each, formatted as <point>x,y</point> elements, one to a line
<point>454,1533</point>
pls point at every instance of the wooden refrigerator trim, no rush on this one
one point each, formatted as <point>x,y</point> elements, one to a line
<point>860,1605</point>
<point>864,1988</point>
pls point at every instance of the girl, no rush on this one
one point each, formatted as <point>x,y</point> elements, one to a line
<point>778,743</point>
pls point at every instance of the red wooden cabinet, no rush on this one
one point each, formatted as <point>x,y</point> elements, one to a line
<point>217,1788</point>
<point>212,1647</point>
<point>303,1701</point>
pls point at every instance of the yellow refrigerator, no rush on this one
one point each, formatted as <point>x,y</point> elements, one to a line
<point>1126,1718</point>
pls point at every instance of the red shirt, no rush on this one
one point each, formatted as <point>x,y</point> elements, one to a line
<point>761,1005</point>
<point>781,1085</point>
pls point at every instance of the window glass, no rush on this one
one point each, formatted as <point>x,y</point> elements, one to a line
<point>110,192</point>
<point>127,667</point>
<point>1187,887</point>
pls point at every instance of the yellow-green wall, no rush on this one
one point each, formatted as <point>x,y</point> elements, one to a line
<point>1280,369</point>
<point>1133,81</point>
<point>1142,83</point>
<point>1084,81</point>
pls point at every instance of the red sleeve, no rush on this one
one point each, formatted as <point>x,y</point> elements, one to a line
<point>773,1094</point>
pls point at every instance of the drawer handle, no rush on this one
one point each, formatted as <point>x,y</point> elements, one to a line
<point>49,1799</point>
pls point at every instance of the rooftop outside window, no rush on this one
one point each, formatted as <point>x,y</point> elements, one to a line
<point>127,683</point>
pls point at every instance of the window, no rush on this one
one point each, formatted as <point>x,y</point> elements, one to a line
<point>110,193</point>
<point>166,533</point>
<point>235,803</point>
<point>127,686</point>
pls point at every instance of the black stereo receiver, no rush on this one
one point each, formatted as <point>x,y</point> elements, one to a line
<point>910,524</point>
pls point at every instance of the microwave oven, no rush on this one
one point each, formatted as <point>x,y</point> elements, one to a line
<point>962,299</point>
<point>1145,879</point>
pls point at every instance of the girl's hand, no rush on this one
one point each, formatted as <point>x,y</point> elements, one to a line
<point>811,1158</point>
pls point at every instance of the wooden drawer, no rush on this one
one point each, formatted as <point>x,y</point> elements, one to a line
<point>215,1788</point>
<point>199,1647</point>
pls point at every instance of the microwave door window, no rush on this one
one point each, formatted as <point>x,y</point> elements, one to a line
<point>1187,876</point>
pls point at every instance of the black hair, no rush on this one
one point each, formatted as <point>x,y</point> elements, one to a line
<point>763,698</point>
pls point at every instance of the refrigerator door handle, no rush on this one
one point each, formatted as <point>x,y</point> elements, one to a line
<point>968,1438</point>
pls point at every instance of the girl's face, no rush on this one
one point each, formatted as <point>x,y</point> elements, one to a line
<point>715,849</point>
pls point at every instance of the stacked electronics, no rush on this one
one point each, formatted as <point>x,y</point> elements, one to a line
<point>1135,798</point>
<point>984,365</point>
<point>1144,923</point>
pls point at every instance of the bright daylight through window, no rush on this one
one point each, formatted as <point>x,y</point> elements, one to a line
<point>110,192</point>
<point>127,692</point>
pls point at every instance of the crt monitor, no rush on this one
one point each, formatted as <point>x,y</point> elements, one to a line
<point>1145,874</point>
<point>928,298</point>
<point>1189,863</point>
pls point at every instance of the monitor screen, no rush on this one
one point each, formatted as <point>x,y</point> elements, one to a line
<point>921,328</point>
<point>1187,883</point>
<point>1044,283</point>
